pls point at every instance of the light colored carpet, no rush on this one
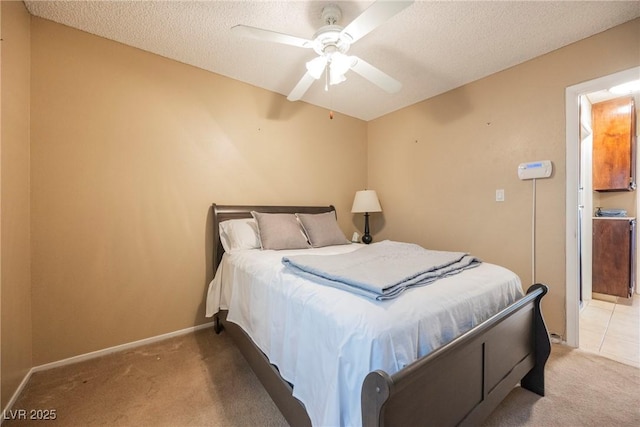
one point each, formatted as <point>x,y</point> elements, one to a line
<point>201,379</point>
<point>198,379</point>
<point>581,389</point>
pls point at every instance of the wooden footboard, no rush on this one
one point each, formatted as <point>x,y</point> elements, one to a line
<point>462,382</point>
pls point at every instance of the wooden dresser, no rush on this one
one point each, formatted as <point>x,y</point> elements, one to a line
<point>614,246</point>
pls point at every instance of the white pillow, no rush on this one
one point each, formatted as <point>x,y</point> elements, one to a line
<point>239,234</point>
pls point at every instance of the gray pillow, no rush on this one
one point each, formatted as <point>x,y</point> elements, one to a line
<point>322,229</point>
<point>280,231</point>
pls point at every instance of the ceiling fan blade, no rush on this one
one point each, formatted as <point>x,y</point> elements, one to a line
<point>301,88</point>
<point>271,36</point>
<point>372,17</point>
<point>375,76</point>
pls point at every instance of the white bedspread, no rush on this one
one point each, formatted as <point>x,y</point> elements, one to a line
<point>325,341</point>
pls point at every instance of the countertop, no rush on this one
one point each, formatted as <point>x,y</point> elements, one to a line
<point>626,218</point>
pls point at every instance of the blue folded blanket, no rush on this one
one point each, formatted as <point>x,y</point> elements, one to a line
<point>381,270</point>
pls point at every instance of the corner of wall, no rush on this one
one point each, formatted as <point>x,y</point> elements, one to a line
<point>16,335</point>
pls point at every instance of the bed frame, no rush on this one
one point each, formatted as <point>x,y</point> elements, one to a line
<point>460,383</point>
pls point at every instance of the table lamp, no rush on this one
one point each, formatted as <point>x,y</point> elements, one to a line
<point>366,201</point>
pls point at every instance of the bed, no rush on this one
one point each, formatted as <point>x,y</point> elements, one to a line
<point>458,382</point>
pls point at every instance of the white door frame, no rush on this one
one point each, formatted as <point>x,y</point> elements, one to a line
<point>572,100</point>
<point>585,198</point>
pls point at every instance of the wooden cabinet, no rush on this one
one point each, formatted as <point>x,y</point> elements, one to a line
<point>614,142</point>
<point>614,256</point>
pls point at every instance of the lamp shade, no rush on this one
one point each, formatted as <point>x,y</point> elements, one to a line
<point>366,201</point>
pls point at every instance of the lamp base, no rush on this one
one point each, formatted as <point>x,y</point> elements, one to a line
<point>366,239</point>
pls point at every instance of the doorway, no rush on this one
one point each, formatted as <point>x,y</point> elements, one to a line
<point>578,192</point>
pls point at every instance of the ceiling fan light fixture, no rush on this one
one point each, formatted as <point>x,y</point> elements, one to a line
<point>335,78</point>
<point>340,63</point>
<point>316,66</point>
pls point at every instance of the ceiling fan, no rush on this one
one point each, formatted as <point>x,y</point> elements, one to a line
<point>331,42</point>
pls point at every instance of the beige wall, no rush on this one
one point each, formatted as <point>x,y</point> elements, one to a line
<point>129,150</point>
<point>616,200</point>
<point>14,199</point>
<point>436,165</point>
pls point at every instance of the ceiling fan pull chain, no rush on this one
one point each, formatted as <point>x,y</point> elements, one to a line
<point>327,70</point>
<point>331,106</point>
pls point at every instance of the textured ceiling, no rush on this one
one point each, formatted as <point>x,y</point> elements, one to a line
<point>431,46</point>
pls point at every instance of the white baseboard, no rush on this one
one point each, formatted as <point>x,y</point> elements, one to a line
<point>17,393</point>
<point>104,352</point>
<point>93,355</point>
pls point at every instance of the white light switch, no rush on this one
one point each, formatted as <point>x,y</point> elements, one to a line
<point>500,195</point>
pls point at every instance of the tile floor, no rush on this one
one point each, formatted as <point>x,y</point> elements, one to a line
<point>611,327</point>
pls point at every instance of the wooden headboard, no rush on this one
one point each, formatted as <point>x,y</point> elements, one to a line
<point>227,212</point>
